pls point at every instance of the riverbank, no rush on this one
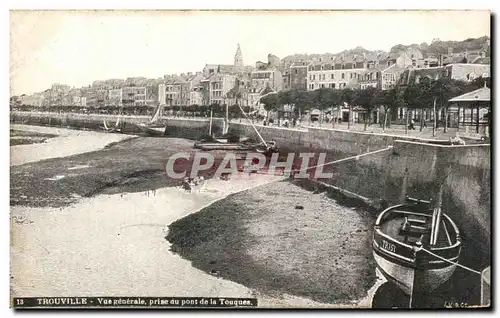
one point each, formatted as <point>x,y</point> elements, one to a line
<point>111,242</point>
<point>20,137</point>
<point>114,245</point>
<point>67,142</point>
<point>281,238</point>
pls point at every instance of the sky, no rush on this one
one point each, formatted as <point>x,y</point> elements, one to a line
<point>78,47</point>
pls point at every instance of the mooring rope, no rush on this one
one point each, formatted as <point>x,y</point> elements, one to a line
<point>253,126</point>
<point>348,158</point>
<point>447,260</point>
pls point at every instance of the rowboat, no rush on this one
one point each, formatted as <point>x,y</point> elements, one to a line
<point>153,127</point>
<point>416,246</point>
<point>116,129</point>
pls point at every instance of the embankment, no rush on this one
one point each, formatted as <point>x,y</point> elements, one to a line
<point>412,167</point>
<point>184,128</point>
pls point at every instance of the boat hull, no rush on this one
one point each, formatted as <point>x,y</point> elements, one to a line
<point>151,130</point>
<point>409,279</point>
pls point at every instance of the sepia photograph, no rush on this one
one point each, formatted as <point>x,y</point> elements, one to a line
<point>250,159</point>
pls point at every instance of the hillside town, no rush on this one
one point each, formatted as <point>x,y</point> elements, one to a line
<point>353,86</point>
<point>355,179</point>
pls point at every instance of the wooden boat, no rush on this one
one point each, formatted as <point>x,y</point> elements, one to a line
<point>416,246</point>
<point>207,146</point>
<point>116,129</point>
<point>153,127</point>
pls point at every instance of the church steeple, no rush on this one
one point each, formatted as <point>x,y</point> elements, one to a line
<point>238,61</point>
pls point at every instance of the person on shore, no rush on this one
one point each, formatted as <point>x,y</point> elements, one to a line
<point>412,125</point>
<point>186,184</point>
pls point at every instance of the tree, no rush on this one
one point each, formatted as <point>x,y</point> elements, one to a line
<point>443,90</point>
<point>322,99</point>
<point>271,103</point>
<point>423,98</point>
<point>347,98</point>
<point>368,99</point>
<point>283,100</point>
<point>335,97</point>
<point>478,83</point>
<point>234,111</point>
<point>301,101</point>
<point>390,100</point>
<point>410,94</point>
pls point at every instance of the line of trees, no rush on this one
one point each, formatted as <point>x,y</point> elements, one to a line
<point>414,98</point>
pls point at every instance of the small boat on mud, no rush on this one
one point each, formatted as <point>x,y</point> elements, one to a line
<point>416,246</point>
<point>243,144</point>
<point>116,129</point>
<point>207,146</point>
<point>154,127</point>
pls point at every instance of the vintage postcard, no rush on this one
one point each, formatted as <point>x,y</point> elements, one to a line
<point>250,159</point>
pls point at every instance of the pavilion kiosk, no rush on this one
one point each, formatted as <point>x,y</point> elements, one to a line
<point>473,110</point>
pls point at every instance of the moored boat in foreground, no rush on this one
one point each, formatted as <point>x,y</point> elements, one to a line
<point>416,246</point>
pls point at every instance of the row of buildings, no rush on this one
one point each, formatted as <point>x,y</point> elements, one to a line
<point>245,85</point>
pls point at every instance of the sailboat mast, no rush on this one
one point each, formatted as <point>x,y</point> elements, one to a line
<point>437,217</point>
<point>253,126</point>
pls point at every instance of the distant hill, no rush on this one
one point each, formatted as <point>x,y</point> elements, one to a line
<point>441,47</point>
<point>436,47</point>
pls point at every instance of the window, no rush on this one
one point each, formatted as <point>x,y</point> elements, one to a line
<point>322,85</point>
<point>333,76</point>
<point>324,76</point>
<point>314,77</point>
<point>296,71</point>
<point>343,76</point>
<point>311,86</point>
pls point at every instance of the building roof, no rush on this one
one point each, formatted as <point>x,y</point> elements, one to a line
<point>483,95</point>
<point>371,57</point>
<point>482,60</point>
<point>472,57</point>
<point>410,74</point>
<point>454,59</point>
<point>359,58</point>
<point>349,59</point>
<point>225,68</point>
<point>300,64</point>
<point>393,56</point>
<point>394,68</point>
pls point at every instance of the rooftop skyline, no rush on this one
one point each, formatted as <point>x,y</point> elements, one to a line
<point>78,47</point>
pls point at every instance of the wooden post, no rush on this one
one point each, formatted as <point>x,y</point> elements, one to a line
<point>445,118</point>
<point>210,127</point>
<point>477,119</point>
<point>434,114</point>
<point>349,118</point>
